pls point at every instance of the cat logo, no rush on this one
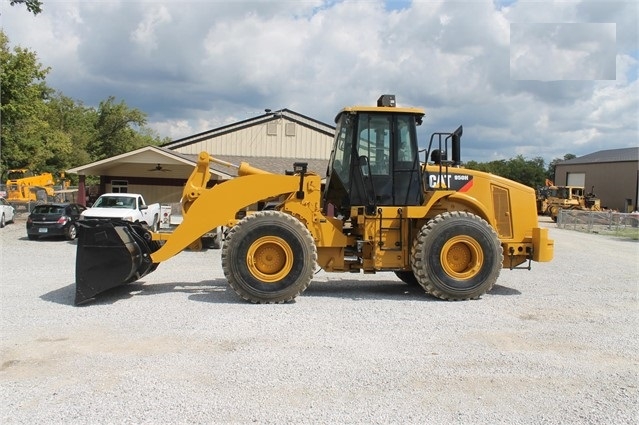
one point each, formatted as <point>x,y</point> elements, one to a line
<point>457,182</point>
<point>438,182</point>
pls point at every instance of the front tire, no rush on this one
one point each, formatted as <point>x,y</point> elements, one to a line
<point>269,257</point>
<point>457,256</point>
<point>2,222</point>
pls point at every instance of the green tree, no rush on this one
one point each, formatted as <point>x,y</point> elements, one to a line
<point>75,125</point>
<point>529,172</point>
<point>23,92</point>
<point>33,6</point>
<point>119,129</point>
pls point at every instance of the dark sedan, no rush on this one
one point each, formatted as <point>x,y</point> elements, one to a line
<point>54,220</point>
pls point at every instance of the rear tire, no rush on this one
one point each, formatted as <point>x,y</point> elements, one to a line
<point>457,256</point>
<point>71,233</point>
<point>269,257</point>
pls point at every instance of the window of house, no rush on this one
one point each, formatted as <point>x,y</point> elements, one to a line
<point>290,129</point>
<point>119,186</point>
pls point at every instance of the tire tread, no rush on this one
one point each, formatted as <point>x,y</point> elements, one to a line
<point>419,246</point>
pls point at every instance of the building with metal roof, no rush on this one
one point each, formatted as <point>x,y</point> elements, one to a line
<point>613,175</point>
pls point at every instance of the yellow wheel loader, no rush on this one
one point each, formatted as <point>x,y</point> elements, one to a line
<point>385,207</point>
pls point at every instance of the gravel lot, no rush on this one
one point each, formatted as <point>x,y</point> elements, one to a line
<point>554,345</point>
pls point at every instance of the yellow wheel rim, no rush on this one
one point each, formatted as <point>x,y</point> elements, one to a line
<point>462,257</point>
<point>270,259</point>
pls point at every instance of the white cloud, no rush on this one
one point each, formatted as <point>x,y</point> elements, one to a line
<point>145,33</point>
<point>194,65</point>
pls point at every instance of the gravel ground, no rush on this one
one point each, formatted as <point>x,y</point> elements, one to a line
<point>554,345</point>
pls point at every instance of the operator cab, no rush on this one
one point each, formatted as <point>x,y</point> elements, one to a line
<point>375,158</point>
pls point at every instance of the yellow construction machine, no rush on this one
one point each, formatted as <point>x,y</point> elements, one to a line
<point>553,198</point>
<point>385,207</point>
<point>24,187</point>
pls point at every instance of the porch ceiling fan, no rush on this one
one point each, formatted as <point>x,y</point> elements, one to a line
<point>159,167</point>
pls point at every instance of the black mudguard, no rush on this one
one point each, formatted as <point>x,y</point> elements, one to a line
<point>110,254</point>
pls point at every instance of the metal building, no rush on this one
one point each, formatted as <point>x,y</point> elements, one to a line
<point>613,175</point>
<point>280,134</point>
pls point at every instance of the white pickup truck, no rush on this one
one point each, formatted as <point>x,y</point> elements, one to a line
<point>124,206</point>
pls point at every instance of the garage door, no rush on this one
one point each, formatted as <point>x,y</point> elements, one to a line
<point>576,179</point>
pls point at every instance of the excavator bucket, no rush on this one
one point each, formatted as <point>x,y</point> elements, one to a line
<point>110,254</point>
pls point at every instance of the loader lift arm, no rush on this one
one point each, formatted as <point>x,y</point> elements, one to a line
<point>202,209</point>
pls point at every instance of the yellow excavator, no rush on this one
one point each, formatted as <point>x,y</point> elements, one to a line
<point>385,207</point>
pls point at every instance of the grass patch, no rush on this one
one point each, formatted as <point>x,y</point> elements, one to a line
<point>626,233</point>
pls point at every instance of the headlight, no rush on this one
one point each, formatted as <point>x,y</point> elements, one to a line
<point>128,218</point>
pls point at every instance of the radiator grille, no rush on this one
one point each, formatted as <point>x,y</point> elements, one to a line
<point>501,203</point>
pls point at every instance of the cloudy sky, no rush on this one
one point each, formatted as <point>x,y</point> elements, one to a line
<point>531,78</point>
